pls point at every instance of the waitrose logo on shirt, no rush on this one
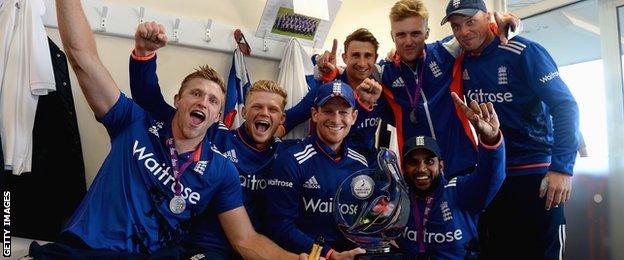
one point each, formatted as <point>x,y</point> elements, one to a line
<point>483,97</point>
<point>156,168</point>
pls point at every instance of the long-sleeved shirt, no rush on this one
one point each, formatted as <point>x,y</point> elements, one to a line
<point>434,111</point>
<point>454,209</point>
<point>537,112</point>
<point>300,194</point>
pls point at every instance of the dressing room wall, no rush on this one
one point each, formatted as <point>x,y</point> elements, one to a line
<point>174,62</point>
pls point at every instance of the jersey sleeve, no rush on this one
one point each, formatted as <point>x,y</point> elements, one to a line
<point>230,195</point>
<point>300,112</point>
<point>282,196</point>
<point>145,89</point>
<point>40,71</point>
<point>543,78</point>
<point>123,114</point>
<point>476,190</point>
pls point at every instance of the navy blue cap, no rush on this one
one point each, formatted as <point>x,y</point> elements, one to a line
<point>463,7</point>
<point>334,89</point>
<point>421,142</point>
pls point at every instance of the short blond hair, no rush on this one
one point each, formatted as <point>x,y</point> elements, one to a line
<point>204,72</point>
<point>404,9</point>
<point>268,86</point>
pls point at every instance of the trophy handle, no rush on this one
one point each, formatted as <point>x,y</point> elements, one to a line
<point>387,161</point>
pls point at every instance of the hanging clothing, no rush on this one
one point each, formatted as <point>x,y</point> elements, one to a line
<point>295,69</point>
<point>25,74</point>
<point>57,178</point>
<point>237,86</point>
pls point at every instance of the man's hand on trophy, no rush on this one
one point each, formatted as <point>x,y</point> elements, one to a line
<point>347,254</point>
<point>304,256</point>
<point>482,117</point>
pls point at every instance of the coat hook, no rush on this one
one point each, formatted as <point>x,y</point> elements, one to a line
<point>103,17</point>
<point>141,14</point>
<point>265,46</point>
<point>176,30</point>
<point>208,26</point>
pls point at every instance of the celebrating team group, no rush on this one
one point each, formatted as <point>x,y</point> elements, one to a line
<point>487,134</point>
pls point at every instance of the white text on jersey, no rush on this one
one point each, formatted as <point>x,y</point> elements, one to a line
<point>483,97</point>
<point>155,168</point>
<point>327,206</point>
<point>433,237</point>
<point>250,182</point>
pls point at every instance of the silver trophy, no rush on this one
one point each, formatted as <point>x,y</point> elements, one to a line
<point>372,206</point>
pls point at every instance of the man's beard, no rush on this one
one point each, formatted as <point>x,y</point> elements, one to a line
<point>426,192</point>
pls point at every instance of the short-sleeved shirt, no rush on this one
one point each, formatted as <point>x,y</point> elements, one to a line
<point>127,205</point>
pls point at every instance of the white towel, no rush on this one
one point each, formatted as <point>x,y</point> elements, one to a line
<point>294,67</point>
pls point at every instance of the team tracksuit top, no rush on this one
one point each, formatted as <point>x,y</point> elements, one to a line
<point>436,115</point>
<point>456,205</point>
<point>127,205</point>
<point>523,83</point>
<point>300,194</point>
<point>362,134</point>
<point>237,145</point>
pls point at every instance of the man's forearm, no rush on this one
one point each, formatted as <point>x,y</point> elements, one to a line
<point>258,246</point>
<point>95,81</point>
<point>74,29</point>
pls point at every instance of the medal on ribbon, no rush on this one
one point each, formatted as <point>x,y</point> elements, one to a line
<point>177,204</point>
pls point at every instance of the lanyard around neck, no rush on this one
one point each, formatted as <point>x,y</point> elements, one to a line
<point>179,170</point>
<point>421,226</point>
<point>419,82</point>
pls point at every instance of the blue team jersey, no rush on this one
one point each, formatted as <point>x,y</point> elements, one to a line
<point>145,91</point>
<point>237,145</point>
<point>253,166</point>
<point>127,205</point>
<point>435,110</point>
<point>537,112</point>
<point>300,193</point>
<point>362,134</point>
<point>452,223</point>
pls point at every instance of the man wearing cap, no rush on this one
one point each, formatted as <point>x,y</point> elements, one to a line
<point>305,178</point>
<point>416,99</point>
<point>442,223</point>
<point>539,118</point>
<point>360,56</point>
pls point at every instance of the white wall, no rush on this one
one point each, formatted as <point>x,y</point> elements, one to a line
<point>175,62</point>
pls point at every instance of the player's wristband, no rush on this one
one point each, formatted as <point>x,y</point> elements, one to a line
<point>143,58</point>
<point>329,76</point>
<point>329,254</point>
